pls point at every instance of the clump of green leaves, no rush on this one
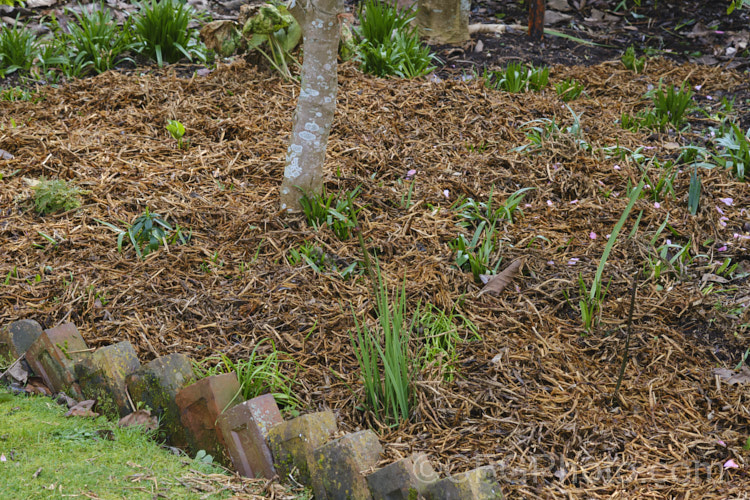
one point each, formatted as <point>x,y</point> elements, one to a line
<point>14,94</point>
<point>545,134</point>
<point>569,90</point>
<point>590,301</point>
<point>258,374</point>
<point>56,195</point>
<point>734,151</point>
<point>18,48</point>
<point>319,261</point>
<point>477,255</point>
<point>147,233</point>
<point>97,41</point>
<point>387,43</point>
<point>669,108</point>
<point>440,335</point>
<point>163,33</point>
<point>177,131</point>
<point>337,212</point>
<point>634,64</point>
<point>472,213</point>
<point>517,77</point>
<point>672,104</point>
<point>384,356</point>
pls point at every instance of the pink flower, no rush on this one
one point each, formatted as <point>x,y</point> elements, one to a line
<point>731,464</point>
<point>573,261</point>
<point>723,221</point>
<point>574,202</point>
<point>727,201</point>
<point>721,443</point>
<point>718,209</point>
<point>411,173</point>
<point>446,193</point>
<point>722,248</point>
<point>657,204</point>
<point>617,167</point>
<point>592,235</point>
<point>549,203</point>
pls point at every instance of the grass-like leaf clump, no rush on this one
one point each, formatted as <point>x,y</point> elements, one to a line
<point>18,48</point>
<point>389,45</point>
<point>97,41</point>
<point>162,30</point>
<point>384,358</point>
<point>259,374</point>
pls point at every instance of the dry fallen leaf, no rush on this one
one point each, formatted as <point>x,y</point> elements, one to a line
<point>140,417</point>
<point>732,377</point>
<point>496,284</point>
<point>713,278</point>
<point>83,409</point>
<point>561,5</point>
<point>35,386</point>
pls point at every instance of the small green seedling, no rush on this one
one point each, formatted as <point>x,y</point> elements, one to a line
<point>634,64</point>
<point>56,195</point>
<point>147,233</point>
<point>177,130</point>
<point>569,90</point>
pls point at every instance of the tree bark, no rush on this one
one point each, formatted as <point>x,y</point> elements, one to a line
<point>316,105</point>
<point>444,21</point>
<point>536,19</point>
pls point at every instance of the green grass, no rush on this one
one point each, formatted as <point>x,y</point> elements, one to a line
<point>259,374</point>
<point>85,458</point>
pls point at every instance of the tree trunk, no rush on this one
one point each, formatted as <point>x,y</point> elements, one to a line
<point>316,105</point>
<point>536,19</point>
<point>444,21</point>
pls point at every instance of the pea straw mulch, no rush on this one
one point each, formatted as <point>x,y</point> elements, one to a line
<point>532,394</point>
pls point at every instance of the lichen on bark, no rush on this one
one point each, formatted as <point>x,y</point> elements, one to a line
<point>303,173</point>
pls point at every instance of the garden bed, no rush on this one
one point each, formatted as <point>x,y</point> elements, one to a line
<point>530,390</point>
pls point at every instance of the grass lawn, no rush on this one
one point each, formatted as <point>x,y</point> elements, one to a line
<point>44,454</point>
